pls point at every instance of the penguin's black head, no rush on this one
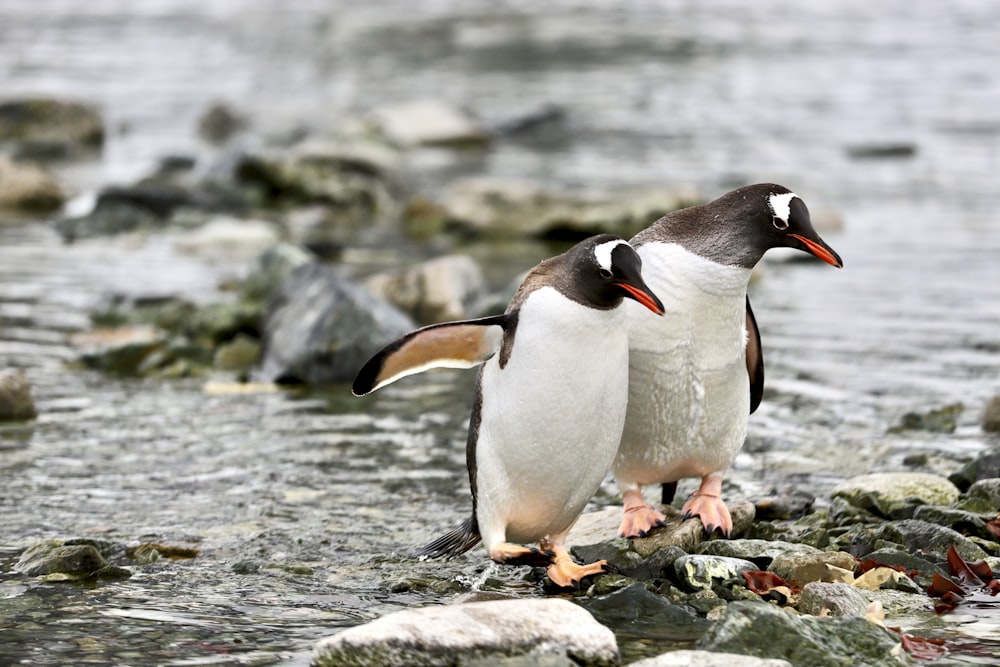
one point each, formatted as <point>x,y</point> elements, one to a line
<point>790,226</point>
<point>608,269</point>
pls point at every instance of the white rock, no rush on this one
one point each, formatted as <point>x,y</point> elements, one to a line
<point>433,636</point>
<point>440,290</point>
<point>229,238</point>
<point>428,122</point>
<point>708,659</point>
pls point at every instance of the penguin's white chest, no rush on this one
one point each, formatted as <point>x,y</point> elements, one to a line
<point>688,384</point>
<point>551,419</point>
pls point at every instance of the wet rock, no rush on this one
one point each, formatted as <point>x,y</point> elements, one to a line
<point>238,355</point>
<point>708,659</point>
<point>54,557</point>
<point>220,123</point>
<point>429,123</point>
<point>888,579</point>
<point>509,209</point>
<point>699,572</point>
<point>617,552</point>
<point>120,350</point>
<point>759,552</point>
<point>921,570</point>
<point>522,661</point>
<point>687,534</point>
<point>966,523</point>
<point>16,403</point>
<point>984,466</point>
<point>27,188</point>
<point>51,128</point>
<point>271,269</point>
<point>840,599</point>
<point>923,537</point>
<point>825,566</point>
<point>320,328</point>
<point>988,490</point>
<point>785,503</point>
<point>439,290</point>
<point>941,420</point>
<point>765,631</point>
<point>228,237</point>
<point>477,630</point>
<point>659,565</point>
<point>991,415</point>
<point>645,614</point>
<point>891,492</point>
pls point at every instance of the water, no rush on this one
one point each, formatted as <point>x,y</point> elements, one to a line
<point>304,506</point>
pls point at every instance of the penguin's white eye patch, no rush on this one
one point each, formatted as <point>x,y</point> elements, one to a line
<point>779,223</point>
<point>781,209</point>
<point>602,253</point>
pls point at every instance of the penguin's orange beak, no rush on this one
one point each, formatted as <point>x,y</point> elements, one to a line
<point>643,295</point>
<point>820,249</point>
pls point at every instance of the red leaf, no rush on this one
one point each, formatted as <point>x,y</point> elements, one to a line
<point>994,527</point>
<point>943,585</point>
<point>761,582</point>
<point>959,568</point>
<point>922,648</point>
<point>871,564</point>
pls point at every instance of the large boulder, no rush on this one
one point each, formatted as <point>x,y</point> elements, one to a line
<point>462,633</point>
<point>320,328</point>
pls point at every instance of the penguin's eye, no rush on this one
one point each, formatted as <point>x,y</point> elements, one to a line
<point>606,274</point>
<point>779,223</point>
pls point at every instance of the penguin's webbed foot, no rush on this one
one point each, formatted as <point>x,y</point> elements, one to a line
<point>506,553</point>
<point>640,517</point>
<point>711,510</point>
<point>564,573</point>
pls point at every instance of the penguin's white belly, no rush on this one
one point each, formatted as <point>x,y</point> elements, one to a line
<point>551,420</point>
<point>689,391</point>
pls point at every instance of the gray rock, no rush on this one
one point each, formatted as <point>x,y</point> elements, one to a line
<point>509,209</point>
<point>921,537</point>
<point>617,552</point>
<point>991,415</point>
<point>765,631</point>
<point>219,123</point>
<point>645,614</point>
<point>28,188</point>
<point>801,569</point>
<point>984,466</point>
<point>760,552</point>
<point>708,659</point>
<point>238,355</point>
<point>52,557</point>
<point>941,420</point>
<point>118,350</point>
<point>320,328</point>
<point>50,127</point>
<point>271,269</point>
<point>988,490</point>
<point>439,290</point>
<point>699,572</point>
<point>966,523</point>
<point>428,123</point>
<point>16,403</point>
<point>839,599</point>
<point>889,492</point>
<point>924,569</point>
<point>477,630</point>
<point>688,533</point>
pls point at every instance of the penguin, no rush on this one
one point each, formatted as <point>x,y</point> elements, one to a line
<point>549,402</point>
<point>697,374</point>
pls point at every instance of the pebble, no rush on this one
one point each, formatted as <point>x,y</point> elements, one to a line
<point>432,636</point>
<point>827,566</point>
<point>991,415</point>
<point>28,188</point>
<point>16,402</point>
<point>429,123</point>
<point>699,572</point>
<point>54,557</point>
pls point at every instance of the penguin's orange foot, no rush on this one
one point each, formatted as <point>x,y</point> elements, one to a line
<point>567,574</point>
<point>711,510</point>
<point>639,520</point>
<point>506,553</point>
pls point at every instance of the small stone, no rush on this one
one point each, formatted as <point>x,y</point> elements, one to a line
<point>923,537</point>
<point>429,123</point>
<point>271,268</point>
<point>238,355</point>
<point>229,237</point>
<point>991,415</point>
<point>219,123</point>
<point>892,491</point>
<point>838,599</point>
<point>700,572</point>
<point>882,150</point>
<point>958,520</point>
<point>28,188</point>
<point>984,466</point>
<point>50,126</point>
<point>246,567</point>
<point>16,403</point>
<point>118,350</point>
<point>440,290</point>
<point>645,612</point>
<point>829,566</point>
<point>708,659</point>
<point>988,490</point>
<point>432,636</point>
<point>765,631</point>
<point>887,578</point>
<point>760,552</point>
<point>941,420</point>
<point>618,553</point>
<point>52,557</point>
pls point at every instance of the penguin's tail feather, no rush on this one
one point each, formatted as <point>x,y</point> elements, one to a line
<point>453,543</point>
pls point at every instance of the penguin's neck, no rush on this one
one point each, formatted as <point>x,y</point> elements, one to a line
<point>689,276</point>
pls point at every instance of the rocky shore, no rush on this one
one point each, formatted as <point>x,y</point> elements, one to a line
<point>300,226</point>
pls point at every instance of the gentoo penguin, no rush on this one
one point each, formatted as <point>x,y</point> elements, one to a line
<point>696,374</point>
<point>549,402</point>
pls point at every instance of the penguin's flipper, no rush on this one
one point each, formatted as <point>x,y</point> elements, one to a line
<point>450,345</point>
<point>453,543</point>
<point>755,360</point>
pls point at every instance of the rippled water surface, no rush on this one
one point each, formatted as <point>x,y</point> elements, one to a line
<point>303,506</point>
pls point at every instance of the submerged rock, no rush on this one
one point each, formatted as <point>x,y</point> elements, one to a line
<point>16,403</point>
<point>28,188</point>
<point>320,328</point>
<point>765,631</point>
<point>52,557</point>
<point>450,634</point>
<point>941,420</point>
<point>708,659</point>
<point>49,127</point>
<point>439,290</point>
<point>118,350</point>
<point>891,492</point>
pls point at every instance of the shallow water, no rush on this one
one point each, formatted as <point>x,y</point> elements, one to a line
<point>316,499</point>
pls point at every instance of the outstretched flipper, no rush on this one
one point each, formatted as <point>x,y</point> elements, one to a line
<point>450,345</point>
<point>453,543</point>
